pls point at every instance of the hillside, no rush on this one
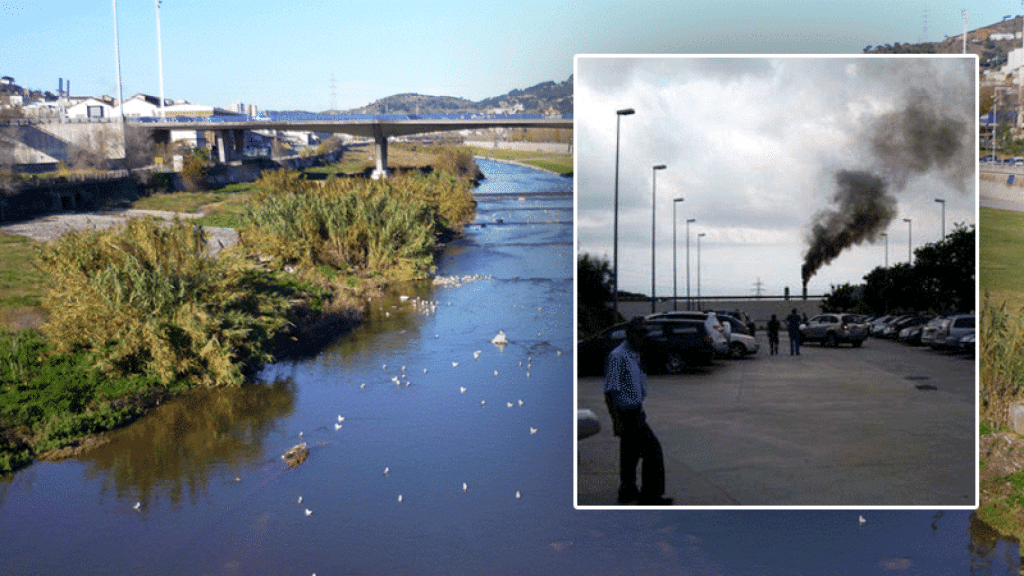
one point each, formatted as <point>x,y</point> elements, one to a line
<point>991,52</point>
<point>540,99</point>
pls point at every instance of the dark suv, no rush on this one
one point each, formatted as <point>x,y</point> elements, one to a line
<point>672,345</point>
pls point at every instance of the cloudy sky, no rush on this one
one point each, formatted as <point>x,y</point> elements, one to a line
<point>754,146</point>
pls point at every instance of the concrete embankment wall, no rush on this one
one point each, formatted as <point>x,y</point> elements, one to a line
<point>96,192</point>
<point>997,191</point>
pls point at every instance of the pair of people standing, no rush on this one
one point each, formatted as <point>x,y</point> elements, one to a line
<point>792,325</point>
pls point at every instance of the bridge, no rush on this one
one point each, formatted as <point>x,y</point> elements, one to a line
<point>229,128</point>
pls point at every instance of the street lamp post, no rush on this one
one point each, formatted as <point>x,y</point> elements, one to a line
<point>886,236</point>
<point>699,236</point>
<point>675,275</point>
<point>654,206</point>
<point>615,248</point>
<point>910,235</point>
<point>943,202</point>
<point>688,220</point>
<point>160,57</point>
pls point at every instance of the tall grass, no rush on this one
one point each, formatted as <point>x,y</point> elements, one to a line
<point>150,302</point>
<point>387,227</point>
<point>1001,357</point>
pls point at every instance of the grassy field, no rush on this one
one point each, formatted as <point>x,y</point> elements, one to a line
<point>1001,264</point>
<point>557,163</point>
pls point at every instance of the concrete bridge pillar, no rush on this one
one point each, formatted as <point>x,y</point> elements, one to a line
<point>222,148</point>
<point>380,150</point>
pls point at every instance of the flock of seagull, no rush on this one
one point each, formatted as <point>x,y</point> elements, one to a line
<point>401,379</point>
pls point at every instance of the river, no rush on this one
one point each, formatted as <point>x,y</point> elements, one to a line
<point>478,481</point>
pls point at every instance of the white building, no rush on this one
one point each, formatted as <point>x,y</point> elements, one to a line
<point>91,108</point>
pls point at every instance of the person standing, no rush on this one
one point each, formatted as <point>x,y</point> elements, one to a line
<point>793,324</point>
<point>625,389</point>
<point>773,335</point>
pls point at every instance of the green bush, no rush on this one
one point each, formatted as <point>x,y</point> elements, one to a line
<point>148,301</point>
<point>363,226</point>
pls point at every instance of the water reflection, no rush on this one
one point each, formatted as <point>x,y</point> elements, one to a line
<point>181,446</point>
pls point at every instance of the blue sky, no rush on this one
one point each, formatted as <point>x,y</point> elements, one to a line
<point>281,55</point>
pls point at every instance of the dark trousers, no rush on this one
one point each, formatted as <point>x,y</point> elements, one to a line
<point>637,442</point>
<point>794,343</point>
<point>773,343</point>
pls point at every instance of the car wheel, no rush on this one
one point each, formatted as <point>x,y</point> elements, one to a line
<point>674,364</point>
<point>737,350</point>
<point>831,341</point>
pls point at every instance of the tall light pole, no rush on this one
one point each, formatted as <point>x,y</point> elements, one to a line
<point>160,57</point>
<point>688,220</point>
<point>886,236</point>
<point>995,119</point>
<point>654,207</point>
<point>964,14</point>
<point>699,236</point>
<point>910,234</point>
<point>675,294</point>
<point>943,202</point>
<point>615,248</point>
<point>120,92</point>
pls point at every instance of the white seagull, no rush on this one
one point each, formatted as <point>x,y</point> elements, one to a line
<point>520,402</point>
<point>462,389</point>
<point>464,487</point>
<point>386,470</point>
<point>138,506</point>
<point>518,495</point>
<point>509,404</point>
<point>863,521</point>
<point>337,426</point>
<point>309,512</point>
<point>476,354</point>
<point>300,499</point>
<point>341,418</point>
<point>454,364</point>
<point>533,430</point>
<point>399,498</point>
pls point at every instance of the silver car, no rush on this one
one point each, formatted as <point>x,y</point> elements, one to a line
<point>834,328</point>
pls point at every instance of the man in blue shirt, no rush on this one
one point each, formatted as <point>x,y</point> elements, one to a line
<point>625,389</point>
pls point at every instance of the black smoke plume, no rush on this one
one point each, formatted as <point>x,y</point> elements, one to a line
<point>921,138</point>
<point>863,211</point>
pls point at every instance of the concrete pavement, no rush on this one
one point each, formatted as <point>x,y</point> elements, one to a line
<point>831,427</point>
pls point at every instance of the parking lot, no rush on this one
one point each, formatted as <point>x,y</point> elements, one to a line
<point>882,425</point>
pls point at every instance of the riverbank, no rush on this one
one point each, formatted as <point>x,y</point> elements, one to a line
<point>304,288</point>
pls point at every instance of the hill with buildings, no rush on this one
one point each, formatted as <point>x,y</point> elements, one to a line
<point>544,98</point>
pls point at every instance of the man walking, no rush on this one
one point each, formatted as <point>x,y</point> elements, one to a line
<point>625,389</point>
<point>793,324</point>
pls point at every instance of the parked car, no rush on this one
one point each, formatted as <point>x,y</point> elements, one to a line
<point>833,329</point>
<point>952,329</point>
<point>741,342</point>
<point>671,345</point>
<point>930,330</point>
<point>876,325</point>
<point>892,329</point>
<point>966,343</point>
<point>719,332</point>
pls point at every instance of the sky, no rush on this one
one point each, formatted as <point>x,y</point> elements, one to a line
<point>282,56</point>
<point>757,148</point>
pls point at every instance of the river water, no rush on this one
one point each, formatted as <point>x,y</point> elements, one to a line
<point>485,475</point>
